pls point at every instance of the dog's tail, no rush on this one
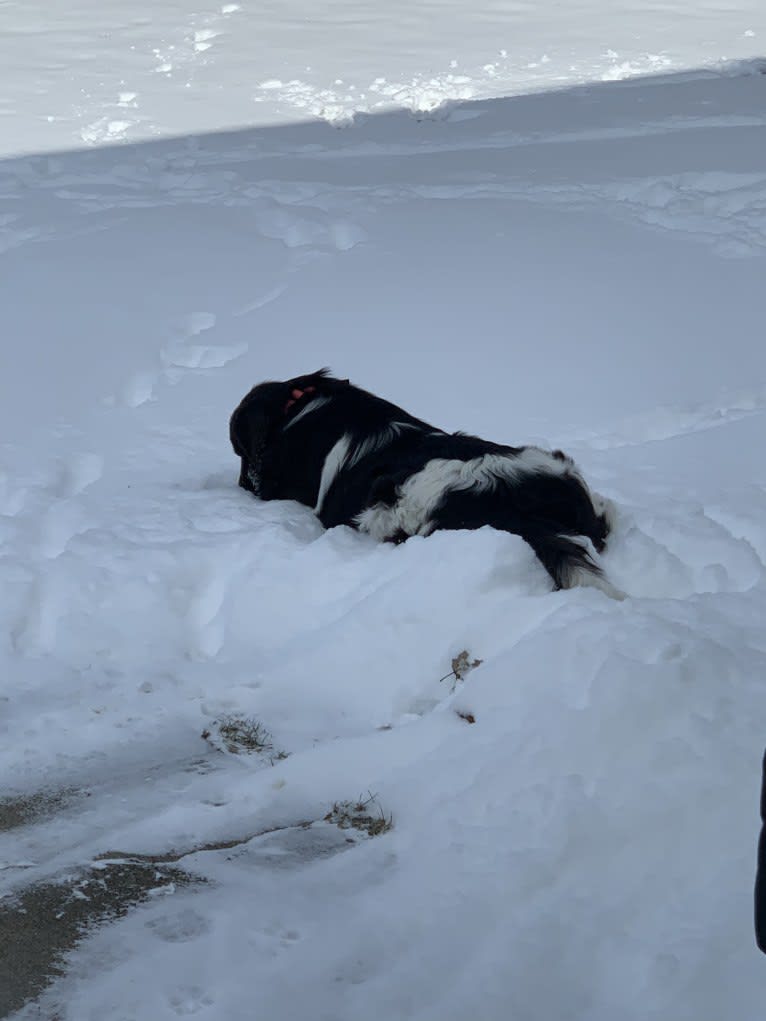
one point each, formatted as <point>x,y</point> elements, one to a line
<point>568,561</point>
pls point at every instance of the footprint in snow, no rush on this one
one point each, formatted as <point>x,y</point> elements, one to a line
<point>201,356</point>
<point>12,496</point>
<point>189,1000</point>
<point>139,389</point>
<point>81,471</point>
<point>181,354</point>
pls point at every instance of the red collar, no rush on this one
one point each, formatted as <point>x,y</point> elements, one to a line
<point>296,395</point>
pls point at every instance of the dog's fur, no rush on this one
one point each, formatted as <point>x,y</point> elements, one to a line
<point>358,460</point>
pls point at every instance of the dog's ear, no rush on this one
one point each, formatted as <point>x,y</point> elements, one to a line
<point>254,418</point>
<point>234,434</point>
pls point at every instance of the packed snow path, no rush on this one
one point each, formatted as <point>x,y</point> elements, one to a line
<point>583,269</point>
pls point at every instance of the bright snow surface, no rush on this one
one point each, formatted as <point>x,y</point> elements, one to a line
<point>583,268</point>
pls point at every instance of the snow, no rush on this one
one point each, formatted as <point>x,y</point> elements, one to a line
<point>101,73</point>
<point>568,260</point>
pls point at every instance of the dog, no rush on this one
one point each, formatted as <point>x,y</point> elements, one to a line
<point>359,460</point>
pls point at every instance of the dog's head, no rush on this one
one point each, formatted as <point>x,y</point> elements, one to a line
<point>261,417</point>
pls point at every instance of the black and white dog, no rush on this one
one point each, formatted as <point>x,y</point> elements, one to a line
<point>358,460</point>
